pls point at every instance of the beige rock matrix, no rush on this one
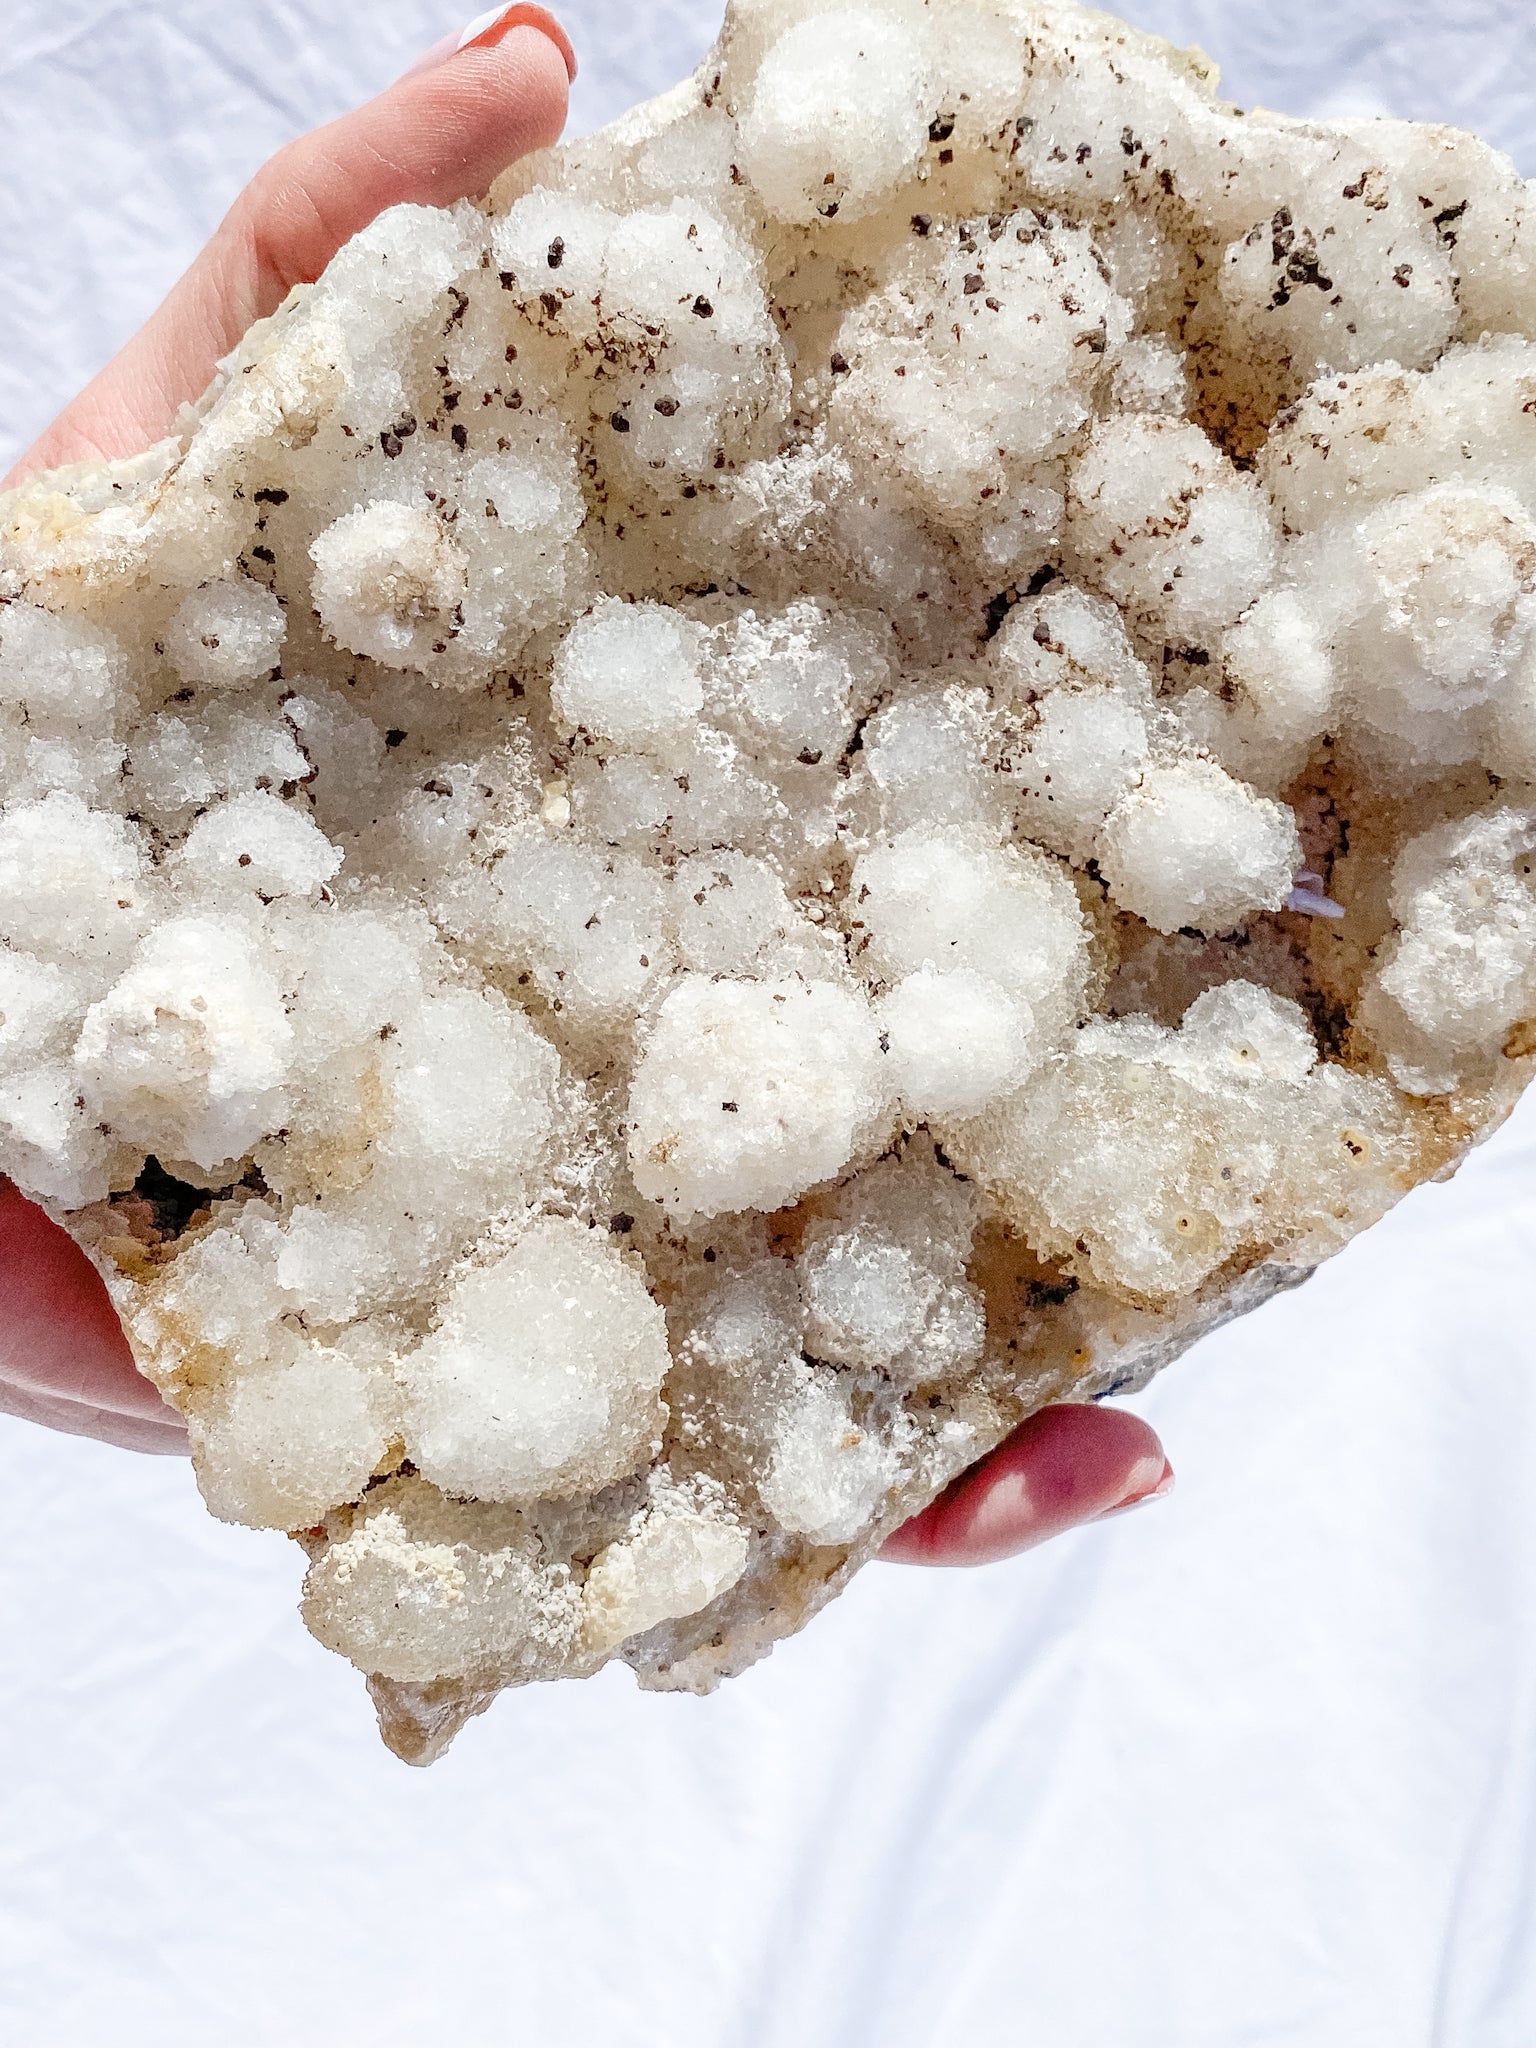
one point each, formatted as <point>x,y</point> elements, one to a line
<point>847,765</point>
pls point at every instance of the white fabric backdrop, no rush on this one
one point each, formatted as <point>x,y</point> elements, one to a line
<point>1251,1770</point>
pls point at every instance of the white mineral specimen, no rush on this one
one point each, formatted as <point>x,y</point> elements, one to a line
<point>544,1373</point>
<point>846,765</point>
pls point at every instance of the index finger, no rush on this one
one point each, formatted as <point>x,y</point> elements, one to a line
<point>1062,1467</point>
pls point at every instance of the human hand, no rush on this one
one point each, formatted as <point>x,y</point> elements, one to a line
<point>65,1362</point>
<point>444,131</point>
<point>1065,1466</point>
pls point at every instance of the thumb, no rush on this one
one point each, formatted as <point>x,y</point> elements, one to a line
<point>443,132</point>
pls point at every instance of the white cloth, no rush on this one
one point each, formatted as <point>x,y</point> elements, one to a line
<point>1253,1769</point>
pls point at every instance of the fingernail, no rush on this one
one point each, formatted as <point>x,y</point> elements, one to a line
<point>493,27</point>
<point>1141,1493</point>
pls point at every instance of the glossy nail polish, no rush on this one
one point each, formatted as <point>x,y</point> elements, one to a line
<point>1141,1495</point>
<point>488,29</point>
<point>491,28</point>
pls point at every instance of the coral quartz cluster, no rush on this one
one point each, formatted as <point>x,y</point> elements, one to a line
<point>850,763</point>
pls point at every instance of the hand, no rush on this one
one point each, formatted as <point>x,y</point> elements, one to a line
<point>1063,1467</point>
<point>443,132</point>
<point>65,1362</point>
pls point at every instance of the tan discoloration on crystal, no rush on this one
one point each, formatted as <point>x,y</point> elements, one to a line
<point>646,880</point>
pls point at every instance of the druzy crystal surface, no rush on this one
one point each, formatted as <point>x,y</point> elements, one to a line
<point>849,763</point>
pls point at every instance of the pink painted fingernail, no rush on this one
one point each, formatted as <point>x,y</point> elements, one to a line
<point>1141,1493</point>
<point>493,27</point>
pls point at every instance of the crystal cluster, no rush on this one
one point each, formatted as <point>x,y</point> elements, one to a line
<point>851,762</point>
